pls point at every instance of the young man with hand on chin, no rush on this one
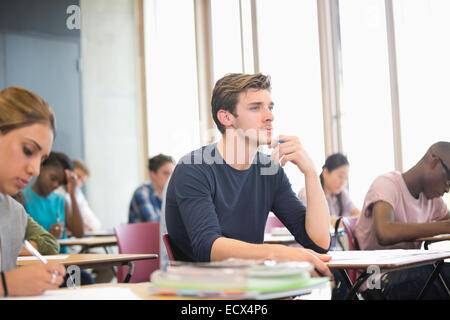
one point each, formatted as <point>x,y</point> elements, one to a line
<point>218,209</point>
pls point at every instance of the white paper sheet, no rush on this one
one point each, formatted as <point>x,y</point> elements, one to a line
<point>106,293</point>
<point>32,258</point>
<point>380,257</point>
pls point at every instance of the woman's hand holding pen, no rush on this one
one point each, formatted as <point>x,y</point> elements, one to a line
<point>34,279</point>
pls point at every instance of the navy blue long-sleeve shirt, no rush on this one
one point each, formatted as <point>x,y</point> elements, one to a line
<point>207,199</point>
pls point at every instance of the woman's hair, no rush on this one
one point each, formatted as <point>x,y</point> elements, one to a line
<point>227,89</point>
<point>333,162</point>
<point>20,107</point>
<point>58,159</point>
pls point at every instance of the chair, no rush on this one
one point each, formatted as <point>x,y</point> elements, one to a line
<point>168,247</point>
<point>138,238</point>
<point>272,222</point>
<point>349,224</point>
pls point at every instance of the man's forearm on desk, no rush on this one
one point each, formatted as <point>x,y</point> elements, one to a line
<point>395,232</point>
<point>388,231</point>
<point>224,248</point>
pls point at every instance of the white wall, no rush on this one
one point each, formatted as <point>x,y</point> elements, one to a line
<point>110,89</point>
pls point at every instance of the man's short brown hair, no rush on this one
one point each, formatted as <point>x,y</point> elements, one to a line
<point>227,89</point>
<point>158,161</point>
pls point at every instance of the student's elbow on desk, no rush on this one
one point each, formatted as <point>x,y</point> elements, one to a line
<point>383,239</point>
<point>78,233</point>
<point>320,245</point>
<point>383,219</point>
<point>385,234</point>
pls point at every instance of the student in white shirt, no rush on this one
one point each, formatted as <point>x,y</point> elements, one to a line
<point>91,221</point>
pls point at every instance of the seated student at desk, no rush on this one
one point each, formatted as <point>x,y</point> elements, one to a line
<point>90,220</point>
<point>402,207</point>
<point>220,195</point>
<point>145,206</point>
<point>50,209</point>
<point>27,128</point>
<point>333,180</point>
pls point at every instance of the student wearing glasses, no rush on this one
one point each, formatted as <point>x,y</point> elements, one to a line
<point>402,207</point>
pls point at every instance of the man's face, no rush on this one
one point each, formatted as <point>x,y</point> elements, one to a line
<point>160,177</point>
<point>254,116</point>
<point>81,177</point>
<point>437,181</point>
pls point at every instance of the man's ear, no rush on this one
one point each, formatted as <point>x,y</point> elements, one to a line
<point>433,161</point>
<point>225,118</point>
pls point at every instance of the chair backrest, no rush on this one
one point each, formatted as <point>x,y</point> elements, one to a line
<point>272,222</point>
<point>168,247</point>
<point>138,238</point>
<point>349,224</point>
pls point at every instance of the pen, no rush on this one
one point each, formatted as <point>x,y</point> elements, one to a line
<point>33,251</point>
<point>41,258</point>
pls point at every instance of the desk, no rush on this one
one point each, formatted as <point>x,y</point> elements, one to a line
<point>89,242</point>
<point>99,233</point>
<point>106,291</point>
<point>385,260</point>
<point>89,260</point>
<point>428,240</point>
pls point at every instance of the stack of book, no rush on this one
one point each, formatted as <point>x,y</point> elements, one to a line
<point>237,279</point>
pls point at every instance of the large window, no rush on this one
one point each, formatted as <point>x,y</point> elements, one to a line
<point>226,34</point>
<point>289,52</point>
<point>287,48</point>
<point>172,106</point>
<point>423,50</point>
<point>366,106</point>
